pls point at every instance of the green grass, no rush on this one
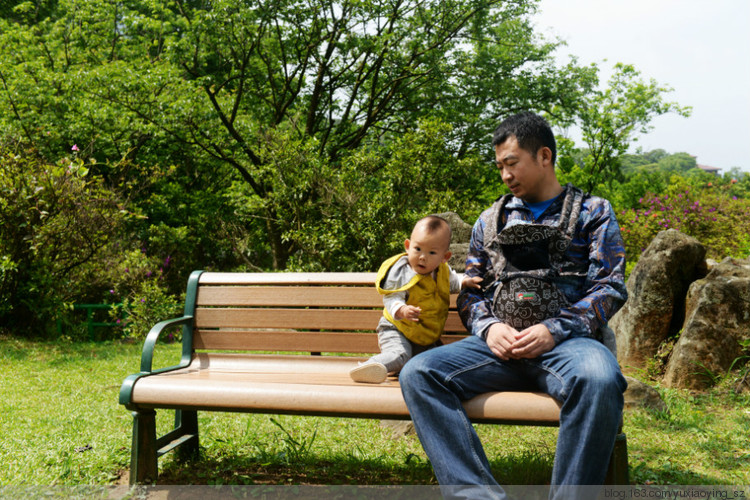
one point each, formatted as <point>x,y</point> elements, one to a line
<point>61,424</point>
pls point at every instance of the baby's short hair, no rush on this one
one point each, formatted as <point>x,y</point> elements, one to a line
<point>435,223</point>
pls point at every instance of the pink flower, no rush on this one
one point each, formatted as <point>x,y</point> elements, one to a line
<point>74,148</point>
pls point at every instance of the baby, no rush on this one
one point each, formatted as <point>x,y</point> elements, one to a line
<point>416,287</point>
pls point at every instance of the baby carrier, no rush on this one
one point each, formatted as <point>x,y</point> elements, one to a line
<point>526,259</point>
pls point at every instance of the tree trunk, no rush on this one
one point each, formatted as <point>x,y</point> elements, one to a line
<point>279,250</point>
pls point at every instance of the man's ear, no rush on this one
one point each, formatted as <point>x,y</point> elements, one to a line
<point>544,155</point>
<point>406,244</point>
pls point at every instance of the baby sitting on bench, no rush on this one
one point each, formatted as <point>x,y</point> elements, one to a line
<point>416,287</point>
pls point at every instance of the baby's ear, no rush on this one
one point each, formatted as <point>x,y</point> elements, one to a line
<point>447,256</point>
<point>406,244</point>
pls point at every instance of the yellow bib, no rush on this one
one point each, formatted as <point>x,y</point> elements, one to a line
<point>431,295</point>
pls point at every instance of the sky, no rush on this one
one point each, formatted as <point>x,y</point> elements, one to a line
<point>700,48</point>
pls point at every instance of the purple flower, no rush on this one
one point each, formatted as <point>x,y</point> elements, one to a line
<point>112,292</point>
<point>143,301</point>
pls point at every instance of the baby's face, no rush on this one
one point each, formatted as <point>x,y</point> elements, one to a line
<point>426,251</point>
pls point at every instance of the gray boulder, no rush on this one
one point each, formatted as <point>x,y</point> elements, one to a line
<point>641,395</point>
<point>459,242</point>
<point>717,321</point>
<point>656,292</point>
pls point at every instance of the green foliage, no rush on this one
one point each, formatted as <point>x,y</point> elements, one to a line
<point>301,135</point>
<point>58,230</point>
<point>147,305</point>
<point>218,87</point>
<point>373,200</point>
<point>707,213</point>
<point>609,120</point>
<point>657,161</point>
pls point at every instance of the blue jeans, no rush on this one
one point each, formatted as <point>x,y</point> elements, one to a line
<point>580,373</point>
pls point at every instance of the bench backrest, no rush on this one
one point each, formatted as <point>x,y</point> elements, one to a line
<point>294,312</point>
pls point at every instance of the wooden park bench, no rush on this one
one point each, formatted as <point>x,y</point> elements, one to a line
<point>233,328</point>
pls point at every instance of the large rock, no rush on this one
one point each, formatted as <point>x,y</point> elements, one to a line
<point>717,321</point>
<point>459,242</point>
<point>656,292</point>
<point>641,395</point>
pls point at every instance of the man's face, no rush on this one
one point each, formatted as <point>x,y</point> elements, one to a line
<point>521,171</point>
<point>426,250</point>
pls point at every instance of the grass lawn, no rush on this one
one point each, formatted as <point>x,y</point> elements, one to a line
<point>61,424</point>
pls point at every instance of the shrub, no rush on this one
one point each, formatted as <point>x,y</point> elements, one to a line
<point>717,220</point>
<point>58,228</point>
<point>140,286</point>
<point>146,306</point>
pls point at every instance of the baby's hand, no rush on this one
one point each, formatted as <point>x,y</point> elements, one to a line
<point>474,282</point>
<point>410,313</point>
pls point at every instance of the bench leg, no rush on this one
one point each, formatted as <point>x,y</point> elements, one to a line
<point>617,473</point>
<point>143,463</point>
<point>187,422</point>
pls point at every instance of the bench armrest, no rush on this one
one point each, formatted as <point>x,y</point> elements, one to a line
<point>147,357</point>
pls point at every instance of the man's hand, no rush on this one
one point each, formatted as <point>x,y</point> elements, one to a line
<point>408,312</point>
<point>532,342</point>
<point>508,343</point>
<point>500,340</point>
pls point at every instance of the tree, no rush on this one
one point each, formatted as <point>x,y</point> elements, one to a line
<point>609,120</point>
<point>242,85</point>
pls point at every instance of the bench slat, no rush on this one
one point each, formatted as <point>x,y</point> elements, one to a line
<point>293,296</point>
<point>314,319</point>
<point>314,386</point>
<point>286,341</point>
<point>289,340</point>
<point>364,279</point>
<point>289,296</point>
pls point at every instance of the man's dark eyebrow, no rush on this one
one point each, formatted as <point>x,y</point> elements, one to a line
<point>509,156</point>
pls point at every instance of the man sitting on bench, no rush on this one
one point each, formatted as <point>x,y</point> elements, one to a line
<point>552,262</point>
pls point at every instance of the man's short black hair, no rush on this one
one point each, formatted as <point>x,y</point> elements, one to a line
<point>530,130</point>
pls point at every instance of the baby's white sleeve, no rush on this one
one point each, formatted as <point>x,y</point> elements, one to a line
<point>394,301</point>
<point>455,281</point>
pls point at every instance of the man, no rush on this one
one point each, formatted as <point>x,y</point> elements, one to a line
<point>552,263</point>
